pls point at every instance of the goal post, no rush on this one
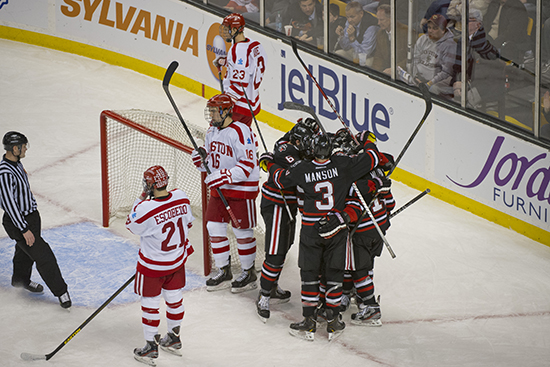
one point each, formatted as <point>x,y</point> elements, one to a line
<point>134,140</point>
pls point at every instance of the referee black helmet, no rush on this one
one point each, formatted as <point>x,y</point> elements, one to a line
<point>13,138</point>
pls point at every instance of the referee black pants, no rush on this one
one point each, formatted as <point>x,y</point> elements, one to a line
<point>40,253</point>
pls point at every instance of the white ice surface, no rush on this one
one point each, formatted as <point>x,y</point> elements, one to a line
<point>462,291</point>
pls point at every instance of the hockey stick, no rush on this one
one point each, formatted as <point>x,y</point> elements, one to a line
<point>265,150</point>
<point>428,98</point>
<point>165,85</point>
<point>300,107</point>
<point>410,202</point>
<point>295,50</point>
<point>254,117</point>
<point>36,357</point>
<point>220,78</point>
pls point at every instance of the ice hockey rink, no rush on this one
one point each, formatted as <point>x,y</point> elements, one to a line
<point>462,291</point>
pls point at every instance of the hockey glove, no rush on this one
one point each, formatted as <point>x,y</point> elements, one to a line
<point>219,62</point>
<point>265,161</point>
<point>365,137</point>
<point>218,178</point>
<point>332,223</point>
<point>379,184</point>
<point>386,161</point>
<point>197,156</point>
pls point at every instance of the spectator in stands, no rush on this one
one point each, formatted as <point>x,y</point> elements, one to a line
<point>478,43</point>
<point>335,21</point>
<point>381,55</point>
<point>506,22</point>
<point>431,51</point>
<point>306,18</point>
<point>436,7</point>
<point>358,35</point>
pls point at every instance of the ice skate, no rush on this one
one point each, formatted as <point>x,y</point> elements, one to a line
<point>335,325</point>
<point>149,353</point>
<point>171,342</point>
<point>221,280</point>
<point>245,282</point>
<point>65,300</point>
<point>368,315</point>
<point>262,306</point>
<point>344,303</point>
<point>279,295</point>
<point>304,329</point>
<point>32,287</point>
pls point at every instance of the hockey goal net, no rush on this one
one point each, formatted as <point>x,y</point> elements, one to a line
<point>134,140</point>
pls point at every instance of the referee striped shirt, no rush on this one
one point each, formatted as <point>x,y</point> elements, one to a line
<point>16,198</point>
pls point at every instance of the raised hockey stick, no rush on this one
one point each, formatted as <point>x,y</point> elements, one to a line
<point>295,50</point>
<point>165,85</point>
<point>36,357</point>
<point>410,202</point>
<point>254,117</point>
<point>220,78</point>
<point>300,107</point>
<point>428,99</point>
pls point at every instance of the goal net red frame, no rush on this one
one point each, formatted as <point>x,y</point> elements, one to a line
<point>134,140</point>
<point>131,142</point>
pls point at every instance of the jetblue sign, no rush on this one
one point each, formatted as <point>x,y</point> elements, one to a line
<point>358,112</point>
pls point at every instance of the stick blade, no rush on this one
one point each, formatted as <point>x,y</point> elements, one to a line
<point>169,72</point>
<point>32,357</point>
<point>288,105</point>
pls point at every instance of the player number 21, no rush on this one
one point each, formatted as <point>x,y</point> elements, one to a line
<point>171,228</point>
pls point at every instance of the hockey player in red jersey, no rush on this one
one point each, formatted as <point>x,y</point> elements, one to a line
<point>230,152</point>
<point>279,209</point>
<point>245,65</point>
<point>163,223</point>
<point>325,181</point>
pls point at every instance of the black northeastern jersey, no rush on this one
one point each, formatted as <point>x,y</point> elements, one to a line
<point>284,154</point>
<point>325,184</point>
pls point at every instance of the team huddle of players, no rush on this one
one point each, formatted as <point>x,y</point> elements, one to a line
<point>334,180</point>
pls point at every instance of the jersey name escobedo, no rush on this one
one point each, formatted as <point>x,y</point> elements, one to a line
<point>163,225</point>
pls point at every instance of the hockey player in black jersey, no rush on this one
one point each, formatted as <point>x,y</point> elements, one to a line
<point>278,209</point>
<point>325,181</point>
<point>366,243</point>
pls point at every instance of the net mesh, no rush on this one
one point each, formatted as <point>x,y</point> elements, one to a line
<point>130,151</point>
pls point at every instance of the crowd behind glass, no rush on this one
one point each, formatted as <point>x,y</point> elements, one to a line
<point>506,71</point>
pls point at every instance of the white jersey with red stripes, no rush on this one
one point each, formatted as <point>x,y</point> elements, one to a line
<point>234,148</point>
<point>245,67</point>
<point>163,225</point>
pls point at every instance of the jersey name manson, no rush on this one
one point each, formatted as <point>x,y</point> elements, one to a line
<point>170,213</point>
<point>321,175</point>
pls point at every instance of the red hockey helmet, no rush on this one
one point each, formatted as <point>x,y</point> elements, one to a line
<point>218,108</point>
<point>230,22</point>
<point>155,177</point>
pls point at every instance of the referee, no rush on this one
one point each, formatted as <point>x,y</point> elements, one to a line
<point>22,223</point>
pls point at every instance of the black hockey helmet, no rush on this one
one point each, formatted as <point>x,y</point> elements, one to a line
<point>343,141</point>
<point>310,123</point>
<point>13,138</point>
<point>322,146</point>
<point>301,136</point>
